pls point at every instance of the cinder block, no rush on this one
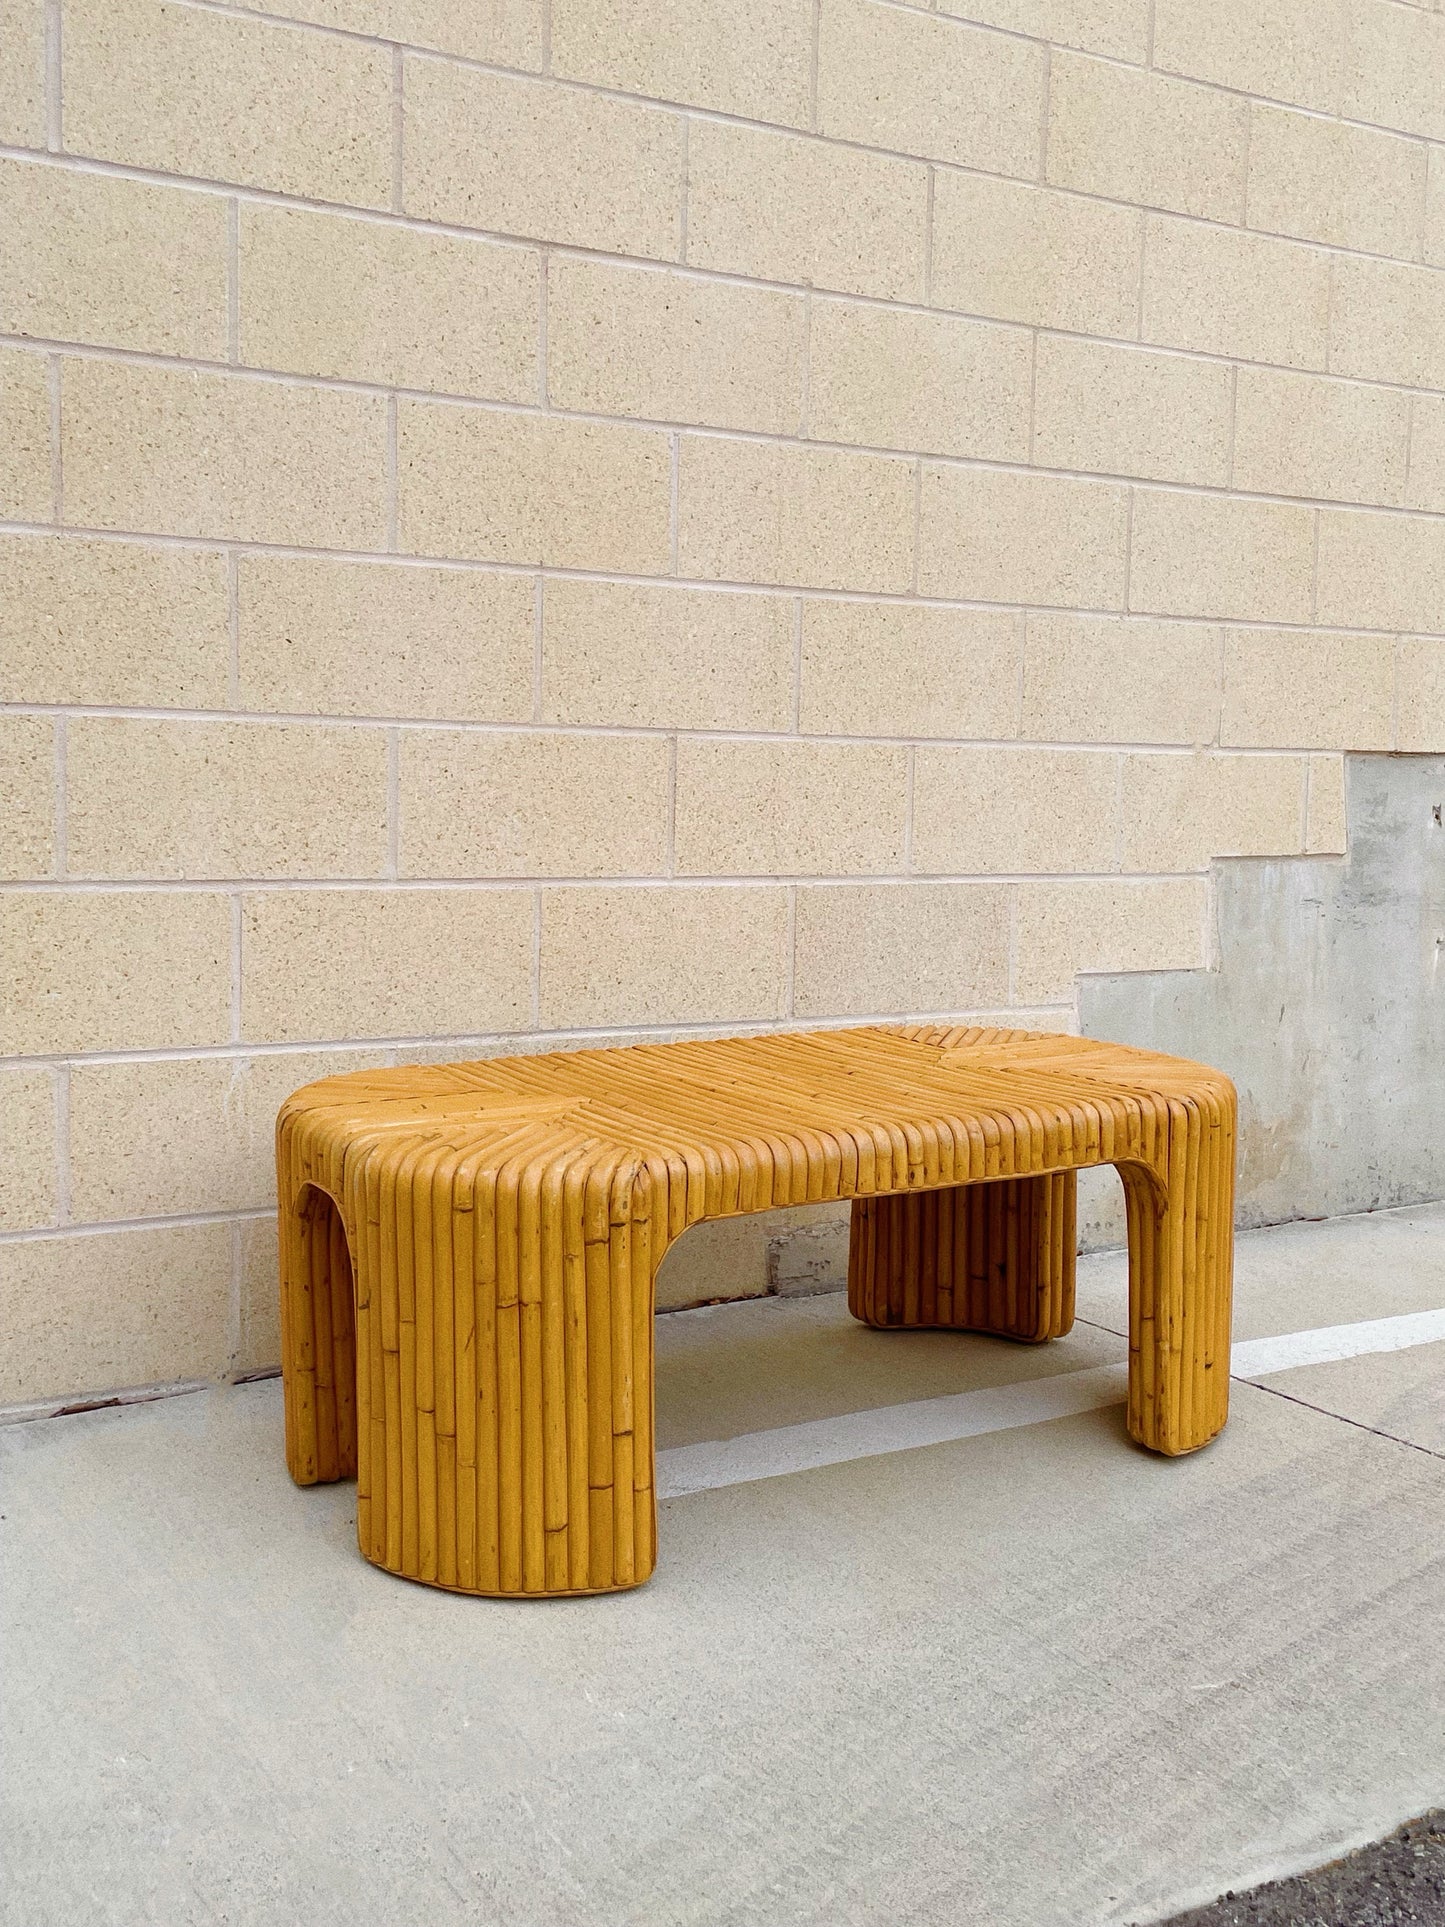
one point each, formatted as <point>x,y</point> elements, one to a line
<point>553,163</point>
<point>92,257</point>
<point>1425,488</point>
<point>1326,830</point>
<point>1307,689</point>
<point>1306,435</point>
<point>324,294</point>
<point>1133,135</point>
<point>709,955</point>
<point>785,208</point>
<point>484,804</point>
<point>510,35</point>
<point>384,963</point>
<point>1289,50</point>
<point>25,492</point>
<point>1395,68</point>
<point>1108,679</point>
<point>176,452</point>
<point>27,822</point>
<point>384,639</point>
<point>991,536</point>
<point>22,72</point>
<point>929,86</point>
<point>1217,555</point>
<point>1104,924</point>
<point>894,378</point>
<point>1435,209</point>
<point>113,970</point>
<point>1420,713</point>
<point>29,1193</point>
<point>779,513</point>
<point>1029,254</point>
<point>1226,292</point>
<point>746,57</point>
<point>258,1347</point>
<point>1117,27</point>
<point>221,800</point>
<point>1381,571</point>
<point>891,669</point>
<point>1387,322</point>
<point>865,949</point>
<point>102,1311</point>
<point>1125,411</point>
<point>1001,812</point>
<point>643,342</point>
<point>789,808</point>
<point>666,658</point>
<point>1181,811</point>
<point>224,97</point>
<point>593,495</point>
<point>1325,180</point>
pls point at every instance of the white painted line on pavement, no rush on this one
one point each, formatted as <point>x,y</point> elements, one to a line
<point>1034,1401</point>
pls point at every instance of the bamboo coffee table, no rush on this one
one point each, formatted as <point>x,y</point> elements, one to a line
<point>468,1255</point>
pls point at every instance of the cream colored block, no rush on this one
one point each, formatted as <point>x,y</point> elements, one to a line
<point>784,208</point>
<point>159,1137</point>
<point>1117,27</point>
<point>204,800</point>
<point>1216,555</point>
<point>25,492</point>
<point>258,1347</point>
<point>1326,831</point>
<point>489,804</point>
<point>746,57</point>
<point>1435,209</point>
<point>1065,928</point>
<point>1326,180</point>
<point>1225,292</point>
<point>713,955</point>
<point>1283,49</point>
<point>636,341</point>
<point>384,639</point>
<point>989,536</point>
<point>820,518</point>
<point>27,821</point>
<point>999,812</point>
<point>221,97</point>
<point>101,1312</point>
<point>557,492</point>
<point>533,158</point>
<point>111,622</point>
<point>790,808</point>
<point>1306,435</point>
<point>1395,68</point>
<point>1420,673</point>
<point>890,669</point>
<point>507,32</point>
<point>22,72</point>
<point>1105,679</point>
<point>29,1191</point>
<point>1029,254</point>
<point>325,294</point>
<point>1132,135</point>
<point>1307,689</point>
<point>1381,571</point>
<point>932,87</point>
<point>877,948</point>
<point>1426,486</point>
<point>1387,322</point>
<point>113,970</point>
<point>1182,811</point>
<point>182,453</point>
<point>1125,411</point>
<point>91,257</point>
<point>384,963</point>
<point>665,658</point>
<point>533,488</point>
<point>894,378</point>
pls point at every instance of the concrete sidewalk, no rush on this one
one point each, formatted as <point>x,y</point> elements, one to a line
<point>1028,1678</point>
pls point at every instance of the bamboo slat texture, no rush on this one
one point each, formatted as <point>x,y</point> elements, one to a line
<point>468,1254</point>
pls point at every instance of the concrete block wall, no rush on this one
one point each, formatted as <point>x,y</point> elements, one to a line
<point>531,519</point>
